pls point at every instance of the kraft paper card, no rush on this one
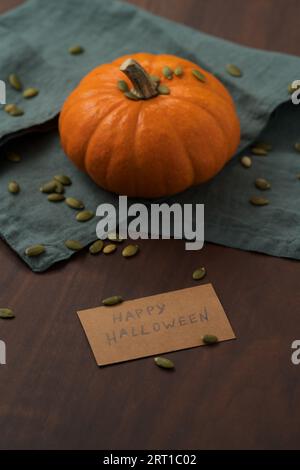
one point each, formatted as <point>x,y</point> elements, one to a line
<point>155,325</point>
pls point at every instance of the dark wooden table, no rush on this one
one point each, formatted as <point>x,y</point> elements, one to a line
<point>241,394</point>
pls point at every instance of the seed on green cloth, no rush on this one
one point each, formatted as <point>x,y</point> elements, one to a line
<point>30,93</point>
<point>13,187</point>
<point>13,110</point>
<point>15,82</point>
<point>73,245</point>
<point>35,250</point>
<point>6,313</point>
<point>259,201</point>
<point>96,247</point>
<point>110,248</point>
<point>75,50</point>
<point>246,161</point>
<point>74,203</point>
<point>49,187</point>
<point>199,273</point>
<point>263,145</point>
<point>259,151</point>
<point>297,146</point>
<point>262,183</point>
<point>164,363</point>
<point>60,189</point>
<point>84,216</point>
<point>63,179</point>
<point>233,70</point>
<point>114,300</point>
<point>130,250</point>
<point>56,197</point>
<point>13,157</point>
<point>210,339</point>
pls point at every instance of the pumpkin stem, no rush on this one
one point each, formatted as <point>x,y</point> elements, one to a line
<point>143,85</point>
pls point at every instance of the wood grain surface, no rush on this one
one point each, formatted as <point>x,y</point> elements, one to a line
<point>239,395</point>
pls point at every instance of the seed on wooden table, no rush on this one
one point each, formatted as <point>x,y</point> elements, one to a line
<point>297,146</point>
<point>15,82</point>
<point>56,197</point>
<point>199,75</point>
<point>75,50</point>
<point>163,90</point>
<point>262,183</point>
<point>258,201</point>
<point>110,248</point>
<point>122,85</point>
<point>63,179</point>
<point>210,339</point>
<point>96,247</point>
<point>114,237</point>
<point>199,273</point>
<point>35,250</point>
<point>259,151</point>
<point>167,72</point>
<point>233,70</point>
<point>164,363</point>
<point>130,250</point>
<point>74,203</point>
<point>13,110</point>
<point>30,93</point>
<point>74,245</point>
<point>84,216</point>
<point>246,161</point>
<point>49,187</point>
<point>6,313</point>
<point>114,300</point>
<point>13,187</point>
<point>13,157</point>
<point>178,71</point>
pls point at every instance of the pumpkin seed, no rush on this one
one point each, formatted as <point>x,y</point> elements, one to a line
<point>199,273</point>
<point>258,201</point>
<point>130,250</point>
<point>178,71</point>
<point>131,96</point>
<point>122,85</point>
<point>167,72</point>
<point>233,70</point>
<point>114,237</point>
<point>6,313</point>
<point>262,183</point>
<point>74,203</point>
<point>35,250</point>
<point>297,146</point>
<point>75,50</point>
<point>199,75</point>
<point>63,179</point>
<point>56,197</point>
<point>13,157</point>
<point>60,189</point>
<point>15,82</point>
<point>30,92</point>
<point>259,151</point>
<point>84,216</point>
<point>49,187</point>
<point>246,161</point>
<point>163,90</point>
<point>13,187</point>
<point>298,176</point>
<point>164,363</point>
<point>13,110</point>
<point>210,339</point>
<point>96,247</point>
<point>155,79</point>
<point>110,248</point>
<point>264,145</point>
<point>114,300</point>
<point>73,245</point>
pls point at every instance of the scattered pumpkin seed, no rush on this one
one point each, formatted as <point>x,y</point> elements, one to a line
<point>84,216</point>
<point>13,187</point>
<point>264,145</point>
<point>155,79</point>
<point>49,187</point>
<point>131,96</point>
<point>13,157</point>
<point>167,72</point>
<point>114,300</point>
<point>63,179</point>
<point>233,70</point>
<point>258,201</point>
<point>73,245</point>
<point>114,237</point>
<point>259,151</point>
<point>164,363</point>
<point>199,75</point>
<point>297,146</point>
<point>262,183</point>
<point>298,176</point>
<point>60,189</point>
<point>13,110</point>
<point>30,93</point>
<point>96,247</point>
<point>75,50</point>
<point>163,90</point>
<point>199,273</point>
<point>210,339</point>
<point>35,250</point>
<point>122,85</point>
<point>15,82</point>
<point>6,313</point>
<point>56,197</point>
<point>178,71</point>
<point>130,250</point>
<point>246,161</point>
<point>74,203</point>
<point>110,248</point>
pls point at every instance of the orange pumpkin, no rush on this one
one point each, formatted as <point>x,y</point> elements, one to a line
<point>157,139</point>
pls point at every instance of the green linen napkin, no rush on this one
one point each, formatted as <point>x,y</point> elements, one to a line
<point>34,44</point>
